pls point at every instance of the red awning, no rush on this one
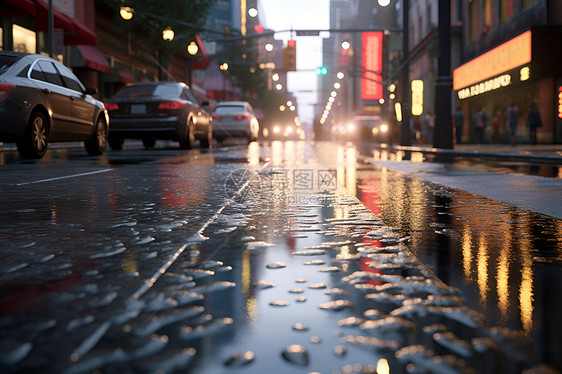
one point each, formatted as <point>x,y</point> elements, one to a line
<point>203,59</point>
<point>42,18</point>
<point>18,8</point>
<point>75,32</point>
<point>91,57</point>
<point>125,77</point>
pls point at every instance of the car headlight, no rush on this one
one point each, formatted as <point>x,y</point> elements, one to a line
<point>384,128</point>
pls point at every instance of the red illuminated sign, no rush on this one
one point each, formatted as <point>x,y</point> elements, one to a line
<point>371,64</point>
<point>560,102</point>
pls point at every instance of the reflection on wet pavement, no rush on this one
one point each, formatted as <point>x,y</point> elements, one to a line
<point>161,270</point>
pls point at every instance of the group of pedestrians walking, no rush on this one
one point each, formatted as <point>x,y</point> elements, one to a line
<point>481,121</point>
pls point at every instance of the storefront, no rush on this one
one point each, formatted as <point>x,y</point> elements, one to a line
<point>523,70</point>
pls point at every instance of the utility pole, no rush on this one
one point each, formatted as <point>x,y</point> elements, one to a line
<point>443,136</point>
<point>50,31</point>
<point>405,136</point>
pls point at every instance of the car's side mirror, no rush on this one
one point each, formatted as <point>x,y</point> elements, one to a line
<point>92,91</point>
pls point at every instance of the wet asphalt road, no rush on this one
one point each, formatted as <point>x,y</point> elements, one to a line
<point>147,259</point>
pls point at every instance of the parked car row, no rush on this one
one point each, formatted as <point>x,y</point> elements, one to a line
<point>42,102</point>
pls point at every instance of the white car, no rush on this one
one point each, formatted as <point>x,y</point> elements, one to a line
<point>234,119</point>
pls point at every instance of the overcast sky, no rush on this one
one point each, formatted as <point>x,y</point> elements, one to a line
<point>300,14</point>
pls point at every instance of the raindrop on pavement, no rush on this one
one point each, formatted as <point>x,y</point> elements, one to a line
<point>240,359</point>
<point>296,354</point>
<point>276,265</point>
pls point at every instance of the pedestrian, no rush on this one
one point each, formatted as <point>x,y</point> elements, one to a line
<point>496,124</point>
<point>533,123</point>
<point>458,120</point>
<point>429,122</point>
<point>480,123</point>
<point>512,122</point>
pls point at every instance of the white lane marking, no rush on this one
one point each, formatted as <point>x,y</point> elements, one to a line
<point>65,177</point>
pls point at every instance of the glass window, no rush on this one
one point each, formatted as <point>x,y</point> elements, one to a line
<point>51,73</point>
<point>24,40</point>
<point>190,96</point>
<point>6,62</point>
<point>487,15</point>
<point>527,3</point>
<point>229,109</point>
<point>149,90</point>
<point>70,79</point>
<point>37,73</point>
<point>507,9</point>
<point>474,24</point>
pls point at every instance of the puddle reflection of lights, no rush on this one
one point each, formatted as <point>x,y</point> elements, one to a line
<point>502,279</point>
<point>526,287</point>
<point>351,170</point>
<point>467,252</point>
<point>290,152</point>
<point>482,268</point>
<point>277,152</point>
<point>254,153</point>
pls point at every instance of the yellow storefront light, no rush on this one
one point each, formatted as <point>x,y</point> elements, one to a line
<point>417,97</point>
<point>398,111</point>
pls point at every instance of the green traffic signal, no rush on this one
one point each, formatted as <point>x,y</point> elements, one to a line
<point>321,70</point>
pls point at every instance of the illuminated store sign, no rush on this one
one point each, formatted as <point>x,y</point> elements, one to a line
<point>560,102</point>
<point>371,64</point>
<point>417,97</point>
<point>487,86</point>
<point>505,57</point>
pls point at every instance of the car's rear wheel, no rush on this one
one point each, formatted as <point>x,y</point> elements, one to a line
<point>189,141</point>
<point>33,143</point>
<point>115,142</point>
<point>149,142</point>
<point>96,145</point>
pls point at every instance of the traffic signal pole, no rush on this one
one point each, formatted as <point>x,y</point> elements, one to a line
<point>405,135</point>
<point>443,135</point>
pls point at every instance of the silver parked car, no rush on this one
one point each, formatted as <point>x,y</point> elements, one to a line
<point>158,110</point>
<point>42,101</point>
<point>234,119</point>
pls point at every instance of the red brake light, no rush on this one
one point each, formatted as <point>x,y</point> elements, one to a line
<point>171,105</point>
<point>244,116</point>
<point>110,106</point>
<point>216,117</point>
<point>5,89</point>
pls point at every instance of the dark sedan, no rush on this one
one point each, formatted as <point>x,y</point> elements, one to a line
<point>158,110</point>
<point>42,101</point>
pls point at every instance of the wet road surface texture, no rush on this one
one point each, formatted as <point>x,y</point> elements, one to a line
<point>279,258</point>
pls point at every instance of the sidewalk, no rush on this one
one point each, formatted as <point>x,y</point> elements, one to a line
<point>549,153</point>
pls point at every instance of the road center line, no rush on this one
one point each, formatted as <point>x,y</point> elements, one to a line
<point>65,177</point>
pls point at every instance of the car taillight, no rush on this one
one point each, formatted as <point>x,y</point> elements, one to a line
<point>110,106</point>
<point>171,105</point>
<point>242,116</point>
<point>5,89</point>
<point>217,117</point>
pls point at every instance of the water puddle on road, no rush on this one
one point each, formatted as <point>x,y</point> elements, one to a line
<point>507,262</point>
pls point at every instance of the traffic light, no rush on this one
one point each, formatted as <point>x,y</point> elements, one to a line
<point>290,56</point>
<point>321,70</point>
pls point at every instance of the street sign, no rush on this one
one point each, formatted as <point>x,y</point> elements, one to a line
<point>308,32</point>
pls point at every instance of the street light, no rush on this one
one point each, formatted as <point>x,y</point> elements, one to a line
<point>192,48</point>
<point>126,12</point>
<point>168,34</point>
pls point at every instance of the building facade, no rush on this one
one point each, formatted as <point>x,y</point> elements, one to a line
<point>512,54</point>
